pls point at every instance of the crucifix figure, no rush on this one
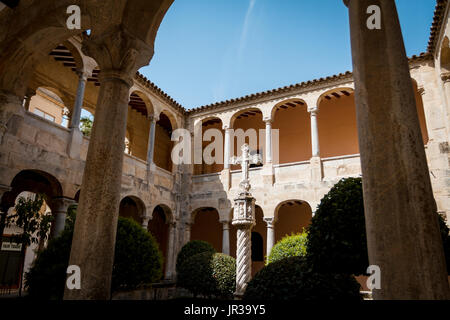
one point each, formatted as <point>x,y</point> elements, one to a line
<point>245,160</point>
<point>244,220</point>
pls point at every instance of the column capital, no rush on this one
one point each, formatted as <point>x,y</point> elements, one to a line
<point>225,223</point>
<point>445,76</point>
<point>268,120</point>
<point>118,53</point>
<point>313,110</point>
<point>83,75</point>
<point>61,203</point>
<point>153,118</point>
<point>270,221</point>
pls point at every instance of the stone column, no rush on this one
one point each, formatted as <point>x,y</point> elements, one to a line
<point>119,56</point>
<point>151,141</point>
<point>226,237</point>
<point>171,251</point>
<point>76,112</point>
<point>59,210</point>
<point>314,133</point>
<point>268,140</point>
<point>403,236</point>
<point>145,221</point>
<point>270,235</point>
<point>30,93</point>
<point>187,232</point>
<point>244,220</point>
<point>227,148</point>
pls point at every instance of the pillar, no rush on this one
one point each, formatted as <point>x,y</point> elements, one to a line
<point>227,148</point>
<point>76,112</point>
<point>226,237</point>
<point>268,140</point>
<point>244,220</point>
<point>270,235</point>
<point>119,56</point>
<point>59,210</point>
<point>30,93</point>
<point>171,251</point>
<point>401,221</point>
<point>314,133</point>
<point>145,221</point>
<point>151,141</point>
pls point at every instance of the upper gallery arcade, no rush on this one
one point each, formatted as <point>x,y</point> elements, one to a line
<point>46,85</point>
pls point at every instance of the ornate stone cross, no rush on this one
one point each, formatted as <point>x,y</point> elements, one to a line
<point>245,160</point>
<point>244,220</point>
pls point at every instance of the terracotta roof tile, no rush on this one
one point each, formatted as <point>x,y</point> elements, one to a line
<point>436,25</point>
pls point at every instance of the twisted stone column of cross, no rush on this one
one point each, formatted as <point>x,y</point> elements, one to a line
<point>244,220</point>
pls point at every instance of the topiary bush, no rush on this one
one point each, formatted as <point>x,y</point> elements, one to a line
<point>292,279</point>
<point>192,248</point>
<point>137,258</point>
<point>290,246</point>
<point>208,274</point>
<point>137,261</point>
<point>337,234</point>
<point>337,240</point>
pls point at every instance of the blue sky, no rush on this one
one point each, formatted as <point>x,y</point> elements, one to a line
<point>212,50</point>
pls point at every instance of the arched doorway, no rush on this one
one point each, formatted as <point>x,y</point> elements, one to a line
<point>292,216</point>
<point>158,226</point>
<point>292,119</point>
<point>163,143</point>
<point>207,227</point>
<point>132,207</point>
<point>338,131</point>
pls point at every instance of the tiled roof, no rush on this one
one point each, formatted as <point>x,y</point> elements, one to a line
<point>437,23</point>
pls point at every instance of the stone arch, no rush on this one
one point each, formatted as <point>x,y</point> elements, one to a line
<point>132,207</point>
<point>338,131</point>
<point>206,226</point>
<point>445,55</point>
<point>162,156</point>
<point>35,181</point>
<point>291,216</point>
<point>250,121</point>
<point>158,226</point>
<point>293,121</point>
<point>49,103</point>
<point>420,111</point>
<point>212,122</point>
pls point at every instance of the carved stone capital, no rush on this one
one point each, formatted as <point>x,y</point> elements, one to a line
<point>270,222</point>
<point>445,77</point>
<point>118,53</point>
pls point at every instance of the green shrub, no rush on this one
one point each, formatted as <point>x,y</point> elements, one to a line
<point>337,234</point>
<point>292,279</point>
<point>192,248</point>
<point>289,246</point>
<point>208,274</point>
<point>137,261</point>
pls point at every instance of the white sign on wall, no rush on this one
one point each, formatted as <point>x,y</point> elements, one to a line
<point>11,246</point>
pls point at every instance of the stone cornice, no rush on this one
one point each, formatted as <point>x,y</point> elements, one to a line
<point>436,25</point>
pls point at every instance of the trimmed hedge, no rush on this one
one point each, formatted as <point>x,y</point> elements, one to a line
<point>208,274</point>
<point>137,261</point>
<point>337,234</point>
<point>292,279</point>
<point>192,248</point>
<point>290,246</point>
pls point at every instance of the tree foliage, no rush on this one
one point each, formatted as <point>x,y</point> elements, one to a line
<point>290,246</point>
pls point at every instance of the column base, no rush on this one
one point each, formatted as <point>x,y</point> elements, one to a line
<point>74,143</point>
<point>268,174</point>
<point>316,169</point>
<point>225,178</point>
